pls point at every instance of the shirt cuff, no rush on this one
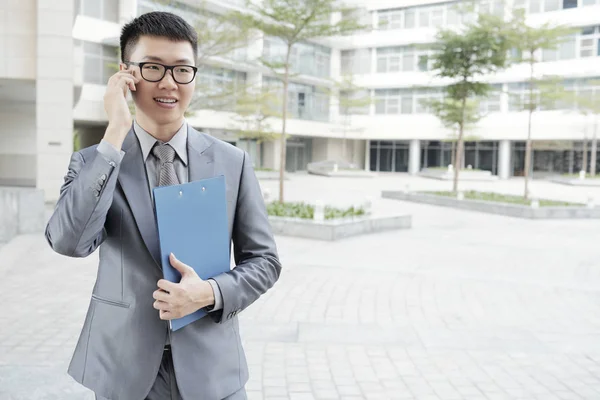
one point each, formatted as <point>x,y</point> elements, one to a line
<point>110,152</point>
<point>218,296</point>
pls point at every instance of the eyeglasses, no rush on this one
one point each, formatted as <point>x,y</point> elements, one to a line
<point>155,72</point>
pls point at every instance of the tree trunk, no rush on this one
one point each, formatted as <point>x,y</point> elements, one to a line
<point>528,146</point>
<point>460,147</point>
<point>286,79</point>
<point>594,148</point>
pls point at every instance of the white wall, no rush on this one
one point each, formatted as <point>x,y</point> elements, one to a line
<point>17,144</point>
<point>18,39</point>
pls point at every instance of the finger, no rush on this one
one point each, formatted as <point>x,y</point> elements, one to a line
<point>167,286</point>
<point>179,266</point>
<point>124,81</point>
<point>161,295</point>
<point>166,315</point>
<point>161,305</point>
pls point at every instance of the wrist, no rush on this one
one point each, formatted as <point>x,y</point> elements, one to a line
<point>115,134</point>
<point>207,298</point>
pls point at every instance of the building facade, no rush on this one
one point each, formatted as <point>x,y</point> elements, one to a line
<point>56,57</point>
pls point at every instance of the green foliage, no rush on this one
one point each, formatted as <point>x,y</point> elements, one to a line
<point>527,40</point>
<point>504,198</point>
<point>451,113</point>
<point>307,211</point>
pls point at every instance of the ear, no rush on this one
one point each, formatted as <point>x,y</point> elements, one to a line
<point>122,67</point>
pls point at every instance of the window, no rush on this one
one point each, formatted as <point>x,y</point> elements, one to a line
<point>396,59</point>
<point>305,58</point>
<point>389,19</point>
<point>569,4</point>
<point>563,51</point>
<point>100,62</point>
<point>491,103</point>
<point>356,61</point>
<point>393,101</point>
<point>589,41</point>
<point>218,87</point>
<point>304,101</point>
<point>107,10</point>
<point>354,102</point>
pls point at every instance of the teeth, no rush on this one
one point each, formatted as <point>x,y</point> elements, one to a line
<point>166,100</point>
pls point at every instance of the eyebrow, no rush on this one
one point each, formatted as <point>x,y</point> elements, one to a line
<point>158,59</point>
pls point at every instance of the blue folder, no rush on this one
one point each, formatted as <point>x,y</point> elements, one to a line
<point>192,224</point>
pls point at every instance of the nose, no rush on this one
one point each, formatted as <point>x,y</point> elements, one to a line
<point>168,82</point>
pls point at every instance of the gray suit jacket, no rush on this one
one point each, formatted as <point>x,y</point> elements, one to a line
<point>107,205</point>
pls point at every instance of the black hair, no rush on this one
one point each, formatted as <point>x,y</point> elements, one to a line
<point>157,24</point>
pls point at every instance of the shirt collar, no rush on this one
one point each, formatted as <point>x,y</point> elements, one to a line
<point>178,142</point>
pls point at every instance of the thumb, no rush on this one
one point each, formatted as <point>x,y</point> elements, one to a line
<point>183,269</point>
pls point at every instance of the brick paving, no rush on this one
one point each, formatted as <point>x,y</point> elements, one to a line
<point>462,306</point>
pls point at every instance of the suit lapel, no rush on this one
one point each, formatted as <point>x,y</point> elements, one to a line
<point>134,181</point>
<point>201,163</point>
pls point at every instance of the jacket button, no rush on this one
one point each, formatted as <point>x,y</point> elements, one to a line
<point>97,193</point>
<point>103,178</point>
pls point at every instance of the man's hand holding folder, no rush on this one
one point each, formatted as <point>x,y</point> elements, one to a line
<point>176,300</point>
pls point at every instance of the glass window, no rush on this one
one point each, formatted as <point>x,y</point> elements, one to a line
<point>107,10</point>
<point>437,17</point>
<point>407,104</point>
<point>569,4</point>
<point>588,2</point>
<point>551,5</point>
<point>535,6</point>
<point>452,15</point>
<point>424,15</point>
<point>100,62</point>
<point>408,61</point>
<point>409,19</point>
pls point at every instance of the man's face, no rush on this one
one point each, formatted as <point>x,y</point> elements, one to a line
<point>164,101</point>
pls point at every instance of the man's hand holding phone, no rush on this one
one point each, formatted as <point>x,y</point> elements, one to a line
<point>116,107</point>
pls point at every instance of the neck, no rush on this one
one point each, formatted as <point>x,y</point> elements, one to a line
<point>162,132</point>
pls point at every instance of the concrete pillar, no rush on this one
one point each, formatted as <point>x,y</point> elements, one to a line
<point>271,154</point>
<point>414,157</point>
<point>54,94</point>
<point>374,60</point>
<point>504,170</point>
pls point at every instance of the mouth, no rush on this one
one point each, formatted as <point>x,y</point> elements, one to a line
<point>166,102</point>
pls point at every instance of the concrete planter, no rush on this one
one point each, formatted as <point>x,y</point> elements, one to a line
<point>337,229</point>
<point>593,182</point>
<point>340,169</point>
<point>465,175</point>
<point>269,175</point>
<point>511,210</point>
<point>22,211</point>
<point>344,173</point>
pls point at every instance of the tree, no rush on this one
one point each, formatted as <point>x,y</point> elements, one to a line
<point>464,56</point>
<point>293,22</point>
<point>451,114</point>
<point>530,41</point>
<point>351,100</point>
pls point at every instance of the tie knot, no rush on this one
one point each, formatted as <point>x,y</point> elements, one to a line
<point>164,152</point>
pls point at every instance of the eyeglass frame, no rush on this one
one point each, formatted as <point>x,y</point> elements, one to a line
<point>166,67</point>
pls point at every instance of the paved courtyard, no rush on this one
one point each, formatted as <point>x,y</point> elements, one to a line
<point>462,306</point>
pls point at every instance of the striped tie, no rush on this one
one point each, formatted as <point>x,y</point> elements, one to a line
<point>165,154</point>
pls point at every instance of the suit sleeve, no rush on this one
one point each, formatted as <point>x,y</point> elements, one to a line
<point>76,228</point>
<point>257,263</point>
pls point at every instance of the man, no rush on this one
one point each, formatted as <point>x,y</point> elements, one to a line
<point>126,350</point>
